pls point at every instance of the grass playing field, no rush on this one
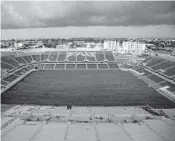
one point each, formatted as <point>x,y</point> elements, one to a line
<point>84,87</point>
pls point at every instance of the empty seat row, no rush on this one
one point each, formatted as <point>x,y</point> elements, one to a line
<point>171,86</point>
<point>155,78</point>
<point>169,72</point>
<point>109,56</point>
<point>154,61</point>
<point>109,65</point>
<point>12,62</point>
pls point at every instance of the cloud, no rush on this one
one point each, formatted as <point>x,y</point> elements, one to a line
<point>33,14</point>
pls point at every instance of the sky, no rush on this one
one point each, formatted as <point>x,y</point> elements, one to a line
<point>35,19</point>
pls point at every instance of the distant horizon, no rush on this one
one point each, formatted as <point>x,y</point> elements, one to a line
<point>160,31</point>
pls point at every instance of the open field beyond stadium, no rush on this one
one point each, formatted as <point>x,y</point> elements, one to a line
<point>84,87</point>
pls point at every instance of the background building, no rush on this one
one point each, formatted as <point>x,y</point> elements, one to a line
<point>109,45</point>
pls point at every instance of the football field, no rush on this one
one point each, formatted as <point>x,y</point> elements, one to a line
<point>84,87</point>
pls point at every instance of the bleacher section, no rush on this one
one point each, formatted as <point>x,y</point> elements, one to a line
<point>9,61</point>
<point>10,78</point>
<point>42,57</point>
<point>81,66</point>
<point>62,56</point>
<point>90,56</point>
<point>4,83</point>
<point>53,56</point>
<point>19,72</point>
<point>46,55</point>
<point>49,66</point>
<point>113,65</point>
<point>36,57</point>
<point>6,66</point>
<point>78,60</point>
<point>15,66</point>
<point>80,57</point>
<point>161,72</point>
<point>71,56</point>
<point>139,69</point>
<point>26,59</point>
<point>100,56</point>
<point>171,86</point>
<point>59,66</point>
<point>163,66</point>
<point>109,56</point>
<point>91,66</point>
<point>146,73</point>
<point>70,66</point>
<point>76,56</point>
<point>154,61</point>
<point>155,78</point>
<point>20,60</point>
<point>146,60</point>
<point>102,66</point>
<point>169,72</point>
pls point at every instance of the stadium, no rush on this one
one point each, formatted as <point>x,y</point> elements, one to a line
<point>73,91</point>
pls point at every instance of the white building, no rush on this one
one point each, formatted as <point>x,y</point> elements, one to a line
<point>18,45</point>
<point>130,48</point>
<point>109,45</point>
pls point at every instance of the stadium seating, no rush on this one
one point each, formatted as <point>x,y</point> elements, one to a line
<point>70,66</point>
<point>71,56</point>
<point>91,66</point>
<point>154,61</point>
<point>139,69</point>
<point>163,65</point>
<point>100,56</point>
<point>9,61</point>
<point>4,83</point>
<point>19,72</point>
<point>146,73</point>
<point>46,55</point>
<point>59,66</point>
<point>102,66</point>
<point>41,66</point>
<point>10,78</point>
<point>30,58</point>
<point>90,56</point>
<point>29,67</point>
<point>53,56</point>
<point>2,87</point>
<point>20,60</point>
<point>171,86</point>
<point>42,57</point>
<point>62,56</point>
<point>81,66</point>
<point>146,60</point>
<point>80,57</point>
<point>36,57</point>
<point>155,78</point>
<point>27,59</point>
<point>49,66</point>
<point>6,66</point>
<point>169,72</point>
<point>109,56</point>
<point>113,65</point>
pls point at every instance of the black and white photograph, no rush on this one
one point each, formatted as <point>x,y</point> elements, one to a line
<point>87,70</point>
